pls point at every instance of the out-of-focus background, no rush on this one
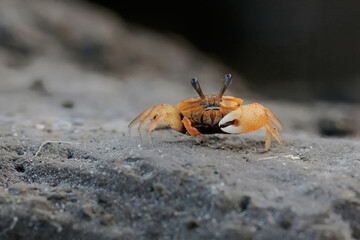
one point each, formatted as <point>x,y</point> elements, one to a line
<point>302,51</point>
<point>294,52</point>
<point>299,50</point>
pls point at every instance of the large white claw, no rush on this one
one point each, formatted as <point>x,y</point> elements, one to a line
<point>230,123</point>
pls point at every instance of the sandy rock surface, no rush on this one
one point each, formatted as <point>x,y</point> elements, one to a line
<point>70,170</point>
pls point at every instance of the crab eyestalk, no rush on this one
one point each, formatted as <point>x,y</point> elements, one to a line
<point>196,85</point>
<point>227,82</point>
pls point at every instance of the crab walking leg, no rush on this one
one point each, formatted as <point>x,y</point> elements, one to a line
<point>193,131</point>
<point>156,122</point>
<point>148,118</point>
<point>270,127</point>
<point>139,118</point>
<point>274,118</point>
<point>268,139</point>
<point>169,113</point>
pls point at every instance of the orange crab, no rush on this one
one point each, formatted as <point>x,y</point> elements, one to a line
<point>208,114</point>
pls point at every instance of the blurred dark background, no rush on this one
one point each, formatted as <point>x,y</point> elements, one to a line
<point>300,50</point>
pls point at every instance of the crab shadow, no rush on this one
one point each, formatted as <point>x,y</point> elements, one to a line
<point>224,142</point>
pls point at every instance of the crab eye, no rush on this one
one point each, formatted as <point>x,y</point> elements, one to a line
<point>228,79</point>
<point>196,85</point>
<point>227,82</point>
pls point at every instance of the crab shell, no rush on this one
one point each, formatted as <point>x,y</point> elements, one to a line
<point>206,115</point>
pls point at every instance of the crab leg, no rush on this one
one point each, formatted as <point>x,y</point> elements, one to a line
<point>271,131</point>
<point>274,132</point>
<point>139,118</point>
<point>156,115</point>
<point>156,122</point>
<point>268,139</point>
<point>274,118</point>
<point>148,118</point>
<point>193,131</point>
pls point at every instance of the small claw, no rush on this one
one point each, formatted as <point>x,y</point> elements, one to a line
<point>193,131</point>
<point>200,139</point>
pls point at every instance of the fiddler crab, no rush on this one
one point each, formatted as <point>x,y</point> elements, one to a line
<point>210,114</point>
